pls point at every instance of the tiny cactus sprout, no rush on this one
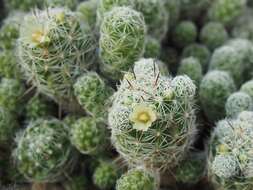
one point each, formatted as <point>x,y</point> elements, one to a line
<point>8,125</point>
<point>152,48</point>
<point>247,87</point>
<point>230,162</point>
<point>88,135</point>
<point>215,88</point>
<point>213,35</point>
<point>227,58</point>
<point>122,40</point>
<point>199,51</point>
<point>192,68</point>
<point>43,151</point>
<point>54,50</point>
<point>185,33</point>
<point>226,11</point>
<point>11,93</point>
<point>137,179</point>
<point>238,102</point>
<point>90,89</point>
<point>151,114</point>
<point>105,175</point>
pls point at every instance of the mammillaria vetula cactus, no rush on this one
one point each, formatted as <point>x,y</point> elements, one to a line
<point>230,165</point>
<point>54,51</point>
<point>44,151</point>
<point>122,40</point>
<point>153,118</point>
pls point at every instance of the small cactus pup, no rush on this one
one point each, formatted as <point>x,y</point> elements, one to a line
<point>106,175</point>
<point>215,88</point>
<point>88,135</point>
<point>199,51</point>
<point>138,179</point>
<point>8,125</point>
<point>238,102</point>
<point>88,10</point>
<point>213,35</point>
<point>122,40</point>
<point>247,87</point>
<point>230,159</point>
<point>11,93</point>
<point>93,94</point>
<point>227,58</point>
<point>192,68</point>
<point>71,4</point>
<point>152,48</point>
<point>54,50</point>
<point>226,11</point>
<point>43,151</point>
<point>185,33</point>
<point>152,118</point>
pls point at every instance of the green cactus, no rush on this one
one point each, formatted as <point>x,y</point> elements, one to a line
<point>185,33</point>
<point>199,51</point>
<point>151,113</point>
<point>105,175</point>
<point>11,93</point>
<point>23,5</point>
<point>238,102</point>
<point>122,40</point>
<point>227,58</point>
<point>230,162</point>
<point>43,151</point>
<point>226,11</point>
<point>152,48</point>
<point>90,89</point>
<point>71,4</point>
<point>173,7</point>
<point>192,68</point>
<point>213,35</point>
<point>215,88</point>
<point>88,135</point>
<point>247,88</point>
<point>78,182</point>
<point>137,179</point>
<point>54,51</point>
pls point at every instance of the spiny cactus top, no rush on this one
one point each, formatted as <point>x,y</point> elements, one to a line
<point>93,94</point>
<point>231,153</point>
<point>137,179</point>
<point>122,40</point>
<point>54,50</point>
<point>215,88</point>
<point>152,118</point>
<point>43,151</point>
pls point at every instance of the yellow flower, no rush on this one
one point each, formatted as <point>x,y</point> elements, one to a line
<point>39,37</point>
<point>142,117</point>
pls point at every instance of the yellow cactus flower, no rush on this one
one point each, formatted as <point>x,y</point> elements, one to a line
<point>142,117</point>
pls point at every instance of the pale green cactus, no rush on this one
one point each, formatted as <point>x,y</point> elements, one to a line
<point>247,87</point>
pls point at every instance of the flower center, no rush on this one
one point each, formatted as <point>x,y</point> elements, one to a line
<point>38,36</point>
<point>144,117</point>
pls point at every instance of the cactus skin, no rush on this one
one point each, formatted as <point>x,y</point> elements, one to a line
<point>54,50</point>
<point>152,48</point>
<point>38,107</point>
<point>71,4</point>
<point>215,88</point>
<point>230,162</point>
<point>192,68</point>
<point>145,106</point>
<point>226,11</point>
<point>40,155</point>
<point>88,135</point>
<point>185,33</point>
<point>238,102</point>
<point>8,125</point>
<point>23,5</point>
<point>199,51</point>
<point>90,88</point>
<point>122,40</point>
<point>213,35</point>
<point>137,179</point>
<point>173,7</point>
<point>11,92</point>
<point>247,87</point>
<point>227,58</point>
<point>9,67</point>
<point>87,10</point>
<point>105,175</point>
